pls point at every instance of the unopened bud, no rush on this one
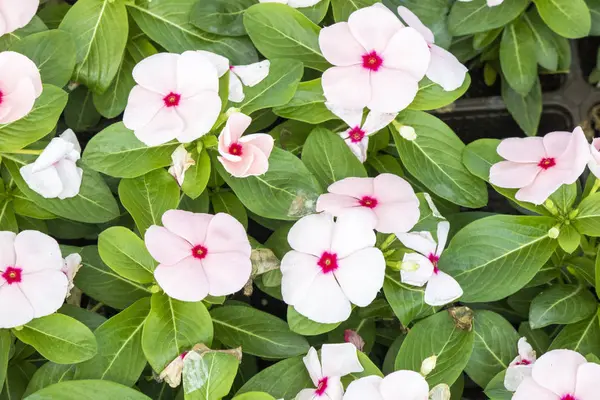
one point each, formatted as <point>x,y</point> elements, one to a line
<point>409,266</point>
<point>549,204</point>
<point>408,132</point>
<point>155,289</point>
<point>428,365</point>
<point>351,336</point>
<point>553,233</point>
<point>440,392</point>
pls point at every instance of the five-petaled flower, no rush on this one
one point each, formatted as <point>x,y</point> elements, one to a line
<point>421,268</point>
<point>337,360</point>
<point>332,265</point>
<point>244,156</point>
<point>55,173</point>
<point>390,199</point>
<point>521,367</point>
<point>539,166</point>
<point>15,15</point>
<point>20,85</point>
<point>199,254</point>
<point>32,283</point>
<point>378,62</point>
<point>398,385</point>
<point>561,375</point>
<point>176,97</point>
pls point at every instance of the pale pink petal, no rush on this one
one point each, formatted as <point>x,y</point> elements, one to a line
<point>260,162</point>
<point>373,27</point>
<point>351,116</point>
<point>594,163</point>
<point>575,157</point>
<point>442,289</point>
<point>185,281</point>
<point>361,275</point>
<point>529,390</point>
<point>220,63</point>
<point>262,141</point>
<point>313,366</point>
<point>166,247</point>
<point>71,176</point>
<point>19,312</point>
<point>196,74</point>
<point>421,242</point>
<point>339,47</point>
<point>408,52</point>
<point>305,394</point>
<point>312,234</point>
<point>526,352</point>
<point>56,150</point>
<point>445,69</point>
<point>515,375</point>
<point>442,236</point>
<point>70,137</point>
<point>324,302</point>
<point>522,150</point>
<point>165,126</point>
<point>226,234</point>
<point>158,73</point>
<point>235,127</point>
<point>353,231</point>
<point>187,225</point>
<point>3,28</point>
<point>46,182</point>
<point>299,271</point>
<point>420,276</point>
<point>21,101</point>
<point>556,143</point>
<point>588,377</point>
<point>253,74</point>
<point>335,203</point>
<point>7,249</point>
<point>392,90</point>
<point>199,114</point>
<point>512,175</point>
<point>414,22</point>
<point>15,68</point>
<point>227,273</point>
<point>340,359</point>
<point>355,187</point>
<point>236,89</point>
<point>240,168</point>
<point>358,149</point>
<point>37,251</point>
<point>546,183</point>
<point>396,217</point>
<point>18,17</point>
<point>392,188</point>
<point>142,106</point>
<point>376,121</point>
<point>407,385</point>
<point>557,371</point>
<point>46,291</point>
<point>349,87</point>
<point>365,388</point>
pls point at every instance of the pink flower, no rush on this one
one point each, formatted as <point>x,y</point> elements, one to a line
<point>521,367</point>
<point>390,199</point>
<point>594,163</point>
<point>32,284</point>
<point>332,265</point>
<point>20,85</point>
<point>561,375</point>
<point>539,166</point>
<point>398,385</point>
<point>444,68</point>
<point>176,97</point>
<point>378,63</point>
<point>244,156</point>
<point>490,3</point>
<point>357,136</point>
<point>337,360</point>
<point>14,16</point>
<point>421,268</point>
<point>199,254</point>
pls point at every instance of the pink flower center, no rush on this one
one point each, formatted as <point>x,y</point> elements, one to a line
<point>199,252</point>
<point>1,96</point>
<point>172,99</point>
<point>372,61</point>
<point>236,149</point>
<point>322,386</point>
<point>434,260</point>
<point>356,134</point>
<point>185,353</point>
<point>523,362</point>
<point>546,163</point>
<point>368,201</point>
<point>568,397</point>
<point>328,263</point>
<point>12,275</point>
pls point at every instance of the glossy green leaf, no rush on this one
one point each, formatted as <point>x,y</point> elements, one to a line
<point>408,302</point>
<point>568,18</point>
<point>307,105</point>
<point>80,112</point>
<point>545,49</point>
<point>209,376</point>
<point>283,380</point>
<point>221,17</point>
<point>17,378</point>
<point>526,110</point>
<point>49,374</point>
<point>582,337</point>
<point>89,390</point>
<point>5,345</point>
<point>476,16</point>
<point>562,304</point>
<point>587,221</point>
<point>126,254</point>
<point>197,176</point>
<point>495,390</point>
<point>343,8</point>
<point>300,324</point>
<point>432,96</point>
<point>518,56</point>
<point>227,202</point>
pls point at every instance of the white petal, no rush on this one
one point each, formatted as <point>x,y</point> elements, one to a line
<point>236,90</point>
<point>373,27</point>
<point>361,275</point>
<point>408,52</point>
<point>406,385</point>
<point>442,236</point>
<point>445,69</point>
<point>365,389</point>
<point>340,359</point>
<point>376,121</point>
<point>299,271</point>
<point>414,22</point>
<point>324,301</point>
<point>305,394</point>
<point>56,150</point>
<point>45,183</point>
<point>37,251</point>
<point>526,352</point>
<point>302,3</point>
<point>253,74</point>
<point>442,289</point>
<point>420,276</point>
<point>158,73</point>
<point>313,366</point>
<point>195,74</point>
<point>71,176</point>
<point>220,63</point>
<point>515,375</point>
<point>353,231</point>
<point>556,370</point>
<point>351,116</point>
<point>7,249</point>
<point>421,242</point>
<point>142,106</point>
<point>20,311</point>
<point>70,137</point>
<point>164,127</point>
<point>45,290</point>
<point>199,114</point>
<point>312,234</point>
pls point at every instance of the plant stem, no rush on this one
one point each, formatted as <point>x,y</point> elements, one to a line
<point>96,307</point>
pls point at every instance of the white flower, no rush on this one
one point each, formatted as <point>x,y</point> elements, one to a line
<point>239,76</point>
<point>400,385</point>
<point>337,360</point>
<point>55,173</point>
<point>176,97</point>
<point>521,367</point>
<point>357,135</point>
<point>294,3</point>
<point>422,267</point>
<point>490,3</point>
<point>182,161</point>
<point>72,264</point>
<point>15,15</point>
<point>332,265</point>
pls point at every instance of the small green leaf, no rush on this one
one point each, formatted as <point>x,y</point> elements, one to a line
<point>526,110</point>
<point>221,17</point>
<point>476,16</point>
<point>408,302</point>
<point>283,380</point>
<point>5,345</point>
<point>582,337</point>
<point>587,221</point>
<point>300,324</point>
<point>125,253</point>
<point>307,105</point>
<point>518,56</point>
<point>569,238</point>
<point>197,176</point>
<point>343,8</point>
<point>561,304</point>
<point>80,112</point>
<point>209,376</point>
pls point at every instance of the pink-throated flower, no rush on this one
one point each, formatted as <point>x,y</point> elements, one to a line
<point>20,84</point>
<point>521,367</point>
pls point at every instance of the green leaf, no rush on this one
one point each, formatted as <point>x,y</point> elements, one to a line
<point>569,238</point>
<point>408,302</point>
<point>53,52</point>
<point>594,6</point>
<point>329,158</point>
<point>494,257</point>
<point>300,324</point>
<point>276,89</point>
<point>258,333</point>
<point>307,105</point>
<point>282,380</point>
<point>494,347</point>
<point>279,31</point>
<point>221,17</point>
<point>561,304</point>
<point>228,203</point>
<point>168,23</point>
<point>518,56</point>
<point>16,380</point>
<point>99,28</point>
<point>87,317</point>
<point>120,358</point>
<point>8,222</point>
<point>343,8</point>
<point>291,189</point>
<point>254,396</point>
<point>80,112</point>
<point>34,26</point>
<point>173,327</point>
<point>125,253</point>
<point>526,110</point>
<point>432,96</point>
<point>5,345</point>
<point>495,390</point>
<point>539,340</point>
<point>197,176</point>
<point>587,221</point>
<point>40,121</point>
<point>49,374</point>
<point>476,16</point>
<point>213,374</point>
<point>148,197</point>
<point>568,18</point>
<point>101,283</point>
<point>582,337</point>
<point>597,285</point>
<point>435,159</point>
<point>437,335</point>
<point>545,49</point>
<point>53,13</point>
<point>93,204</point>
<point>59,338</point>
<point>25,207</point>
<point>89,390</point>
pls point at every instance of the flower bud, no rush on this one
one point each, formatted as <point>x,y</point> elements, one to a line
<point>440,392</point>
<point>351,336</point>
<point>553,232</point>
<point>409,266</point>
<point>408,132</point>
<point>428,365</point>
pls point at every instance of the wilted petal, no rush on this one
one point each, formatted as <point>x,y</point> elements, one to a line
<point>251,75</point>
